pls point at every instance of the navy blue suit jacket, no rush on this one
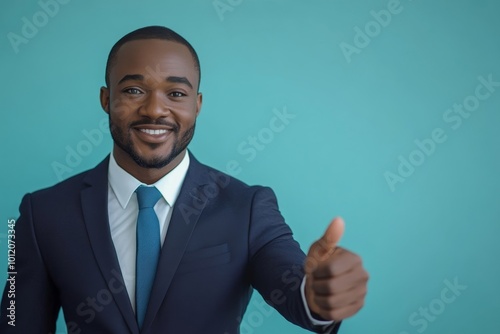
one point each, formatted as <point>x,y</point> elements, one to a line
<point>225,238</point>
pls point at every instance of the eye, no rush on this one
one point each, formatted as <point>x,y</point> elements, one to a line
<point>132,91</point>
<point>177,94</point>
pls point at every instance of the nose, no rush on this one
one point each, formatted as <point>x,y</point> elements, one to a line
<point>154,106</point>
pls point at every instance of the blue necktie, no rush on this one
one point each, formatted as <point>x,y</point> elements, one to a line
<point>148,248</point>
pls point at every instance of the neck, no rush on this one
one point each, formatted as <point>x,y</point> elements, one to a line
<point>143,174</point>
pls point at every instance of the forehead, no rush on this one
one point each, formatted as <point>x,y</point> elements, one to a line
<point>153,57</point>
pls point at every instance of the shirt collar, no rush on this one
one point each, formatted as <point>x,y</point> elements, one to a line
<point>124,185</point>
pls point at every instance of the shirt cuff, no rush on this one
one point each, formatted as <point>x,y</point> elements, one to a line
<point>314,321</point>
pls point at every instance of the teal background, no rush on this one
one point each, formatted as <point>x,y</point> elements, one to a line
<point>352,122</point>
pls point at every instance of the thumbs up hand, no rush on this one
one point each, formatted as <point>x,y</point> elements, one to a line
<point>336,282</point>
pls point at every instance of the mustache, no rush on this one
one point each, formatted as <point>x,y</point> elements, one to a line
<point>175,127</point>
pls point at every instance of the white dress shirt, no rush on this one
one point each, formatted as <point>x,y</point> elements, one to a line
<point>123,210</point>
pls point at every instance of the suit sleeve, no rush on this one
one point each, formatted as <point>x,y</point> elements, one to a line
<point>35,297</point>
<point>277,262</point>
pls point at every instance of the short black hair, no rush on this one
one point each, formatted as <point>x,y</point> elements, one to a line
<point>151,32</point>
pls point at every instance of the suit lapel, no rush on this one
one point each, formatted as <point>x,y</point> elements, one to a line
<point>186,212</point>
<point>94,200</point>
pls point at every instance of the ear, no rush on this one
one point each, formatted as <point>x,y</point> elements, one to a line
<point>199,101</point>
<point>104,97</point>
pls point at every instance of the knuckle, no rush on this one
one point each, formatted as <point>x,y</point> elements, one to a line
<point>358,306</point>
<point>364,291</point>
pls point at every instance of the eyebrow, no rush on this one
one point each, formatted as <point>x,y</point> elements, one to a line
<point>134,77</point>
<point>181,80</point>
<point>172,79</point>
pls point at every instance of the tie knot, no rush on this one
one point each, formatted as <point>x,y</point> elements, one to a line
<point>147,196</point>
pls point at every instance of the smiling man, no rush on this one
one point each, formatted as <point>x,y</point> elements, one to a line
<point>154,85</point>
<point>151,240</point>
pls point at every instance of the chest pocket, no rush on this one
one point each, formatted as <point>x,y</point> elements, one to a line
<point>204,258</point>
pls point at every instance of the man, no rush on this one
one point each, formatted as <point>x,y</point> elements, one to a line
<point>151,240</point>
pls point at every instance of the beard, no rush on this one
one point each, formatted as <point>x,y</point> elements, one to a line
<point>124,141</point>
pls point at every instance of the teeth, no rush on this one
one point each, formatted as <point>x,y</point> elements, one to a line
<point>153,132</point>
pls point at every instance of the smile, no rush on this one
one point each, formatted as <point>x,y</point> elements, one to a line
<point>153,132</point>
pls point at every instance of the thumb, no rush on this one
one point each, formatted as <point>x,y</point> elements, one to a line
<point>325,246</point>
<point>333,233</point>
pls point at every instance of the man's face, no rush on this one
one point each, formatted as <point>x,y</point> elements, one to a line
<point>152,101</point>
